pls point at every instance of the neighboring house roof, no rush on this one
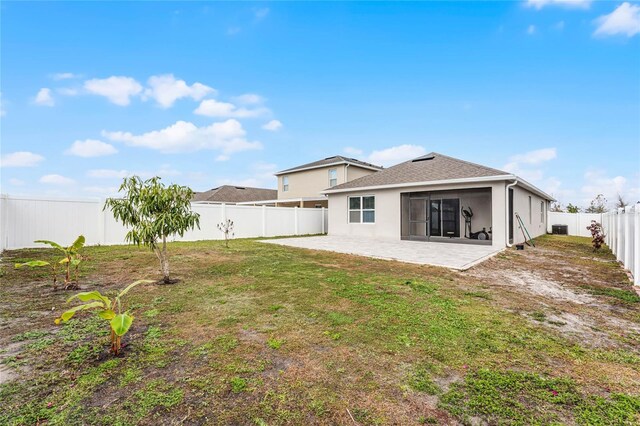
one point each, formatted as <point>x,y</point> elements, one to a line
<point>235,194</point>
<point>430,169</point>
<point>331,161</point>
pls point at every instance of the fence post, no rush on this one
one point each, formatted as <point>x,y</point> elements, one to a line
<point>627,239</point>
<point>264,221</point>
<point>322,219</point>
<point>295,220</point>
<point>4,221</point>
<point>636,244</point>
<point>619,242</point>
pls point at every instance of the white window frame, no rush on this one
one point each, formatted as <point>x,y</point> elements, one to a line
<point>285,183</point>
<point>541,211</point>
<point>530,212</point>
<point>361,209</point>
<point>335,173</point>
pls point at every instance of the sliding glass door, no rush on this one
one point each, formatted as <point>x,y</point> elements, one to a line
<point>433,218</point>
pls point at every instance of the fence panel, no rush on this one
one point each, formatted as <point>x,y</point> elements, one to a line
<point>25,219</point>
<point>621,228</point>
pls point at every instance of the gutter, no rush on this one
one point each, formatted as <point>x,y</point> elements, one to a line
<point>496,178</point>
<point>506,211</point>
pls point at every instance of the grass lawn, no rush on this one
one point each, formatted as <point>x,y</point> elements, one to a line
<point>260,334</point>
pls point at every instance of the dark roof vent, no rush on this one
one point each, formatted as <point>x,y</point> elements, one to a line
<point>240,187</point>
<point>424,158</point>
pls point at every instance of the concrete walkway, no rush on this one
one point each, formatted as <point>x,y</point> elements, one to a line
<point>448,255</point>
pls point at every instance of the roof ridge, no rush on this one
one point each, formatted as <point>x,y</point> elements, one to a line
<point>467,162</point>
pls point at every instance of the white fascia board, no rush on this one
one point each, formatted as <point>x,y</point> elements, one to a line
<point>286,172</point>
<point>285,200</point>
<point>427,183</point>
<point>535,190</point>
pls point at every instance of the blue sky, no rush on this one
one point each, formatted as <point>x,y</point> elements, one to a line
<point>204,94</point>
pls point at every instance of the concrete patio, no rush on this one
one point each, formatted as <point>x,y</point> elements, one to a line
<point>448,255</point>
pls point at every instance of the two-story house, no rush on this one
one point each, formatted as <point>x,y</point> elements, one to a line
<point>302,186</point>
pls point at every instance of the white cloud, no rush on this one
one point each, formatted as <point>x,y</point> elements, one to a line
<point>273,125</point>
<point>577,4</point>
<point>108,174</point>
<point>44,98</point>
<point>521,164</point>
<point>213,108</point>
<point>625,19</point>
<point>597,181</point>
<point>352,151</point>
<point>64,76</point>
<point>91,148</point>
<point>534,157</point>
<point>261,12</point>
<point>164,171</point>
<point>101,190</point>
<point>261,176</point>
<point>396,154</point>
<point>165,90</point>
<point>68,91</point>
<point>16,182</point>
<point>20,159</point>
<point>531,29</point>
<point>249,99</point>
<point>117,89</point>
<point>227,137</point>
<point>54,179</point>
<point>222,157</point>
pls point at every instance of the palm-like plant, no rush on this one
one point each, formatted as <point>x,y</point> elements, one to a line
<point>70,260</point>
<point>108,309</point>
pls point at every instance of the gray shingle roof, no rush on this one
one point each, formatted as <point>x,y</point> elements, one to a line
<point>235,194</point>
<point>430,167</point>
<point>336,159</point>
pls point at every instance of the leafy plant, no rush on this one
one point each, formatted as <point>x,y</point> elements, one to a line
<point>572,209</point>
<point>70,260</point>
<point>597,234</point>
<point>153,212</point>
<point>226,228</point>
<point>108,309</point>
<point>597,205</point>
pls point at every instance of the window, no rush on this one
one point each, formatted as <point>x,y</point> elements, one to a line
<point>285,183</point>
<point>530,217</point>
<point>362,209</point>
<point>541,211</point>
<point>333,177</point>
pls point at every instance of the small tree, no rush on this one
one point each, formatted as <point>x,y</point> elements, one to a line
<point>597,234</point>
<point>621,203</point>
<point>572,209</point>
<point>226,228</point>
<point>154,212</point>
<point>597,205</point>
<point>556,207</point>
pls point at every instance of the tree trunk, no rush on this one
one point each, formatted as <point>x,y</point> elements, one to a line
<point>164,262</point>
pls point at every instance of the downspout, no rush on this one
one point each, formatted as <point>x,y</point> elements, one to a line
<point>346,172</point>
<point>506,214</point>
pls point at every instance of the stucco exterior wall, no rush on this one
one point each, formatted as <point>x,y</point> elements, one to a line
<point>388,212</point>
<point>310,183</point>
<point>536,223</point>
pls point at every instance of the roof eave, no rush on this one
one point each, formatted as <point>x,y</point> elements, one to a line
<point>494,178</point>
<point>294,170</point>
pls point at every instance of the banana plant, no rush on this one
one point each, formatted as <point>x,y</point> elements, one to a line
<point>108,309</point>
<point>70,260</point>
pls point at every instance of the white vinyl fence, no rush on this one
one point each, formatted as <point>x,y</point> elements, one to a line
<point>25,219</point>
<point>622,230</point>
<point>576,222</point>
